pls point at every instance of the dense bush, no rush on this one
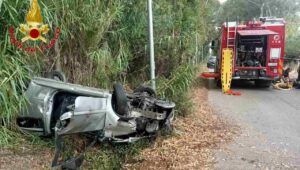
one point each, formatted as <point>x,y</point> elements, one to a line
<point>104,41</point>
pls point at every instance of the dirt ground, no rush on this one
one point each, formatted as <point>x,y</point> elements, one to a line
<point>196,137</point>
<point>191,147</point>
<point>24,158</point>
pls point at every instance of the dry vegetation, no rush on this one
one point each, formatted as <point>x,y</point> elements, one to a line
<point>25,157</point>
<point>197,135</point>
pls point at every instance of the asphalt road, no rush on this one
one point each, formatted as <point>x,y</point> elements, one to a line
<point>270,127</point>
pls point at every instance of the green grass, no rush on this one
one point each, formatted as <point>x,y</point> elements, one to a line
<point>177,86</point>
<point>9,138</point>
<point>12,139</point>
<point>112,156</point>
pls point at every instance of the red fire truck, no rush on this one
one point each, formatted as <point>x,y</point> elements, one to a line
<point>258,50</point>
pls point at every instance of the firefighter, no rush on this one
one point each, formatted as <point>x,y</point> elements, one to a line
<point>284,83</point>
<point>297,84</point>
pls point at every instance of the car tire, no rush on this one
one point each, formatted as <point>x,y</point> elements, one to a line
<point>149,90</point>
<point>57,75</point>
<point>119,100</point>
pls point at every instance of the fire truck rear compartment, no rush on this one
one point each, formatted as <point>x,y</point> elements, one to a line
<point>251,51</point>
<point>251,54</point>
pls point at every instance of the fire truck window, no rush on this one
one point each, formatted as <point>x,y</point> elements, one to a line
<point>251,51</point>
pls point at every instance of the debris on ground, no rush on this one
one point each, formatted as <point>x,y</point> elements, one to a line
<point>196,137</point>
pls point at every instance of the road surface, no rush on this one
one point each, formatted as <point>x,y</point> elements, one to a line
<point>270,128</point>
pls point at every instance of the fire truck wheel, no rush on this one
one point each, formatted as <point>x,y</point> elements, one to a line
<point>263,83</point>
<point>218,83</point>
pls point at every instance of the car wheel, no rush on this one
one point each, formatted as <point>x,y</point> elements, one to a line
<point>57,75</point>
<point>145,89</point>
<point>119,100</point>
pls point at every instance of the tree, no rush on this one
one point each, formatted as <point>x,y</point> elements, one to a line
<point>249,9</point>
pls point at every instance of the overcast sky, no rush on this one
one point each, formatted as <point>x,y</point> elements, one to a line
<point>222,1</point>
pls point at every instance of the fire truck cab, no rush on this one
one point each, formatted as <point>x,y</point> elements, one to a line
<point>258,49</point>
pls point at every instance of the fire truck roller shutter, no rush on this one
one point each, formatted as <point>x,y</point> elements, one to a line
<point>256,32</point>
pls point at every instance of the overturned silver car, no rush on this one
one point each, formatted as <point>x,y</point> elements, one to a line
<point>64,108</point>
